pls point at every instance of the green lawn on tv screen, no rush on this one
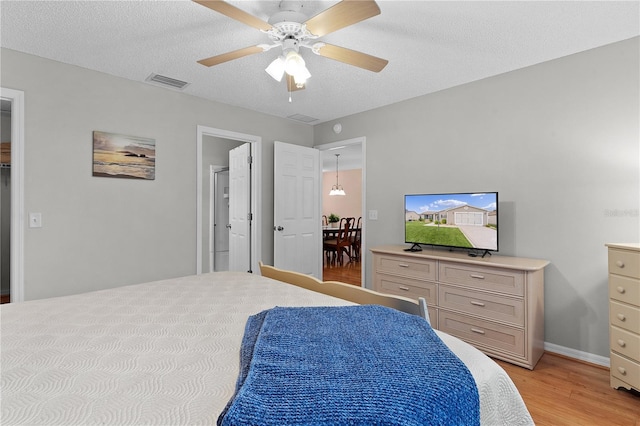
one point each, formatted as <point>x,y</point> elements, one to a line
<point>438,235</point>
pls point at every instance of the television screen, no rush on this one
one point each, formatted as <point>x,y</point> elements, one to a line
<point>458,220</point>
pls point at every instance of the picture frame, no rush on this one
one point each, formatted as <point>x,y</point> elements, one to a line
<point>122,156</point>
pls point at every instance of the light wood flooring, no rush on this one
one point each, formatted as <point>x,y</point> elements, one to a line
<point>350,272</point>
<point>563,391</point>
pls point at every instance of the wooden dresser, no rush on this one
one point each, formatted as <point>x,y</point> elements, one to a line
<point>495,303</point>
<point>624,315</point>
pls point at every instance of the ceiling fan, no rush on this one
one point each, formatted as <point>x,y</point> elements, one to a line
<point>291,30</point>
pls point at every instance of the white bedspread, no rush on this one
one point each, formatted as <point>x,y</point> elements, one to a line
<point>163,353</point>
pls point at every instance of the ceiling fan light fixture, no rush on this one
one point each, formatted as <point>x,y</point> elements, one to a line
<point>276,68</point>
<point>293,63</point>
<point>301,76</point>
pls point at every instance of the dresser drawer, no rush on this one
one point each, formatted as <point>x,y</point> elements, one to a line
<point>623,262</point>
<point>624,289</point>
<point>492,279</point>
<point>407,287</point>
<point>624,316</point>
<point>625,370</point>
<point>490,306</point>
<point>625,343</point>
<point>405,266</point>
<point>501,338</point>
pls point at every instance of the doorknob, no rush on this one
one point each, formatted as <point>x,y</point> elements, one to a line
<point>228,226</point>
<point>279,228</point>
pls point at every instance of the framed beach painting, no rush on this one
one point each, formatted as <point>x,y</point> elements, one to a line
<point>123,156</point>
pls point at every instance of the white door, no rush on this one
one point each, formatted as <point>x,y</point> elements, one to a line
<point>240,208</point>
<point>297,224</point>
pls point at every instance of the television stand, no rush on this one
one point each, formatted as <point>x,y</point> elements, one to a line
<point>414,247</point>
<point>495,303</point>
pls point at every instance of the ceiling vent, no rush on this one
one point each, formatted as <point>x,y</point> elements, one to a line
<point>303,118</point>
<point>167,81</point>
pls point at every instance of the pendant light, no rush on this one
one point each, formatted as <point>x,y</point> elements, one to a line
<point>337,189</point>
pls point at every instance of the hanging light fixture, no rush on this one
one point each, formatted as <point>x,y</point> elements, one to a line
<point>337,189</point>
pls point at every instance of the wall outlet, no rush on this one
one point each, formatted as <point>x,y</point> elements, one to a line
<point>373,214</point>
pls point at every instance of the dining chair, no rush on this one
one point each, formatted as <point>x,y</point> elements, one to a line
<point>356,240</point>
<point>334,248</point>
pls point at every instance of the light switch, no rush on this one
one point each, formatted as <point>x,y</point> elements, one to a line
<point>373,214</point>
<point>35,220</point>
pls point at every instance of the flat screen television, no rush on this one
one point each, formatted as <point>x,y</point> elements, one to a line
<point>456,220</point>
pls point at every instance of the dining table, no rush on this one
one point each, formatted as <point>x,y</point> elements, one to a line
<point>329,232</point>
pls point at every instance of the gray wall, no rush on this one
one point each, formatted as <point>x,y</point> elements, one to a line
<point>559,141</point>
<point>105,232</point>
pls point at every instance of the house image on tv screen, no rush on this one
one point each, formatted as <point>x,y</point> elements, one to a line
<point>463,215</point>
<point>450,220</point>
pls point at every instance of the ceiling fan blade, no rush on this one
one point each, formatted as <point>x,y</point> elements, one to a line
<point>233,12</point>
<point>343,14</point>
<point>351,57</point>
<point>291,84</point>
<point>230,56</point>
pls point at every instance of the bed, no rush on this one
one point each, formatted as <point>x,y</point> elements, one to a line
<point>165,352</point>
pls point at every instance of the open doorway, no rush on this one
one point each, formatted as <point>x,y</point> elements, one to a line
<point>219,223</point>
<point>13,103</point>
<point>348,170</point>
<point>213,148</point>
<point>5,201</point>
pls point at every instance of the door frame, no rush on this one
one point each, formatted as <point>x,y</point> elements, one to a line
<point>256,189</point>
<point>17,192</point>
<point>362,140</point>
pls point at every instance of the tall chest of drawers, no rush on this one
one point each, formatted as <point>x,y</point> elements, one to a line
<point>624,315</point>
<point>494,303</point>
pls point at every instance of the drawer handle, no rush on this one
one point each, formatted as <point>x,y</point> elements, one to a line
<point>403,265</point>
<point>621,343</point>
<point>479,277</point>
<point>477,330</point>
<point>619,263</point>
<point>620,289</point>
<point>401,287</point>
<point>473,302</point>
<point>621,317</point>
<point>622,370</point>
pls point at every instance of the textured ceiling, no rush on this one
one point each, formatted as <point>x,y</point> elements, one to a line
<point>430,45</point>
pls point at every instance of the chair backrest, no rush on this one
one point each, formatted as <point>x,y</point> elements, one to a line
<point>352,293</point>
<point>351,221</point>
<point>342,233</point>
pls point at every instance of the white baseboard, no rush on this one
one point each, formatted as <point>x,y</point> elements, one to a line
<point>574,353</point>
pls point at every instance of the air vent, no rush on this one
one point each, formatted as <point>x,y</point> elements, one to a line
<point>167,81</point>
<point>303,118</point>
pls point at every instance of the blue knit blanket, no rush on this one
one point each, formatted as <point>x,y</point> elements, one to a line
<point>356,365</point>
